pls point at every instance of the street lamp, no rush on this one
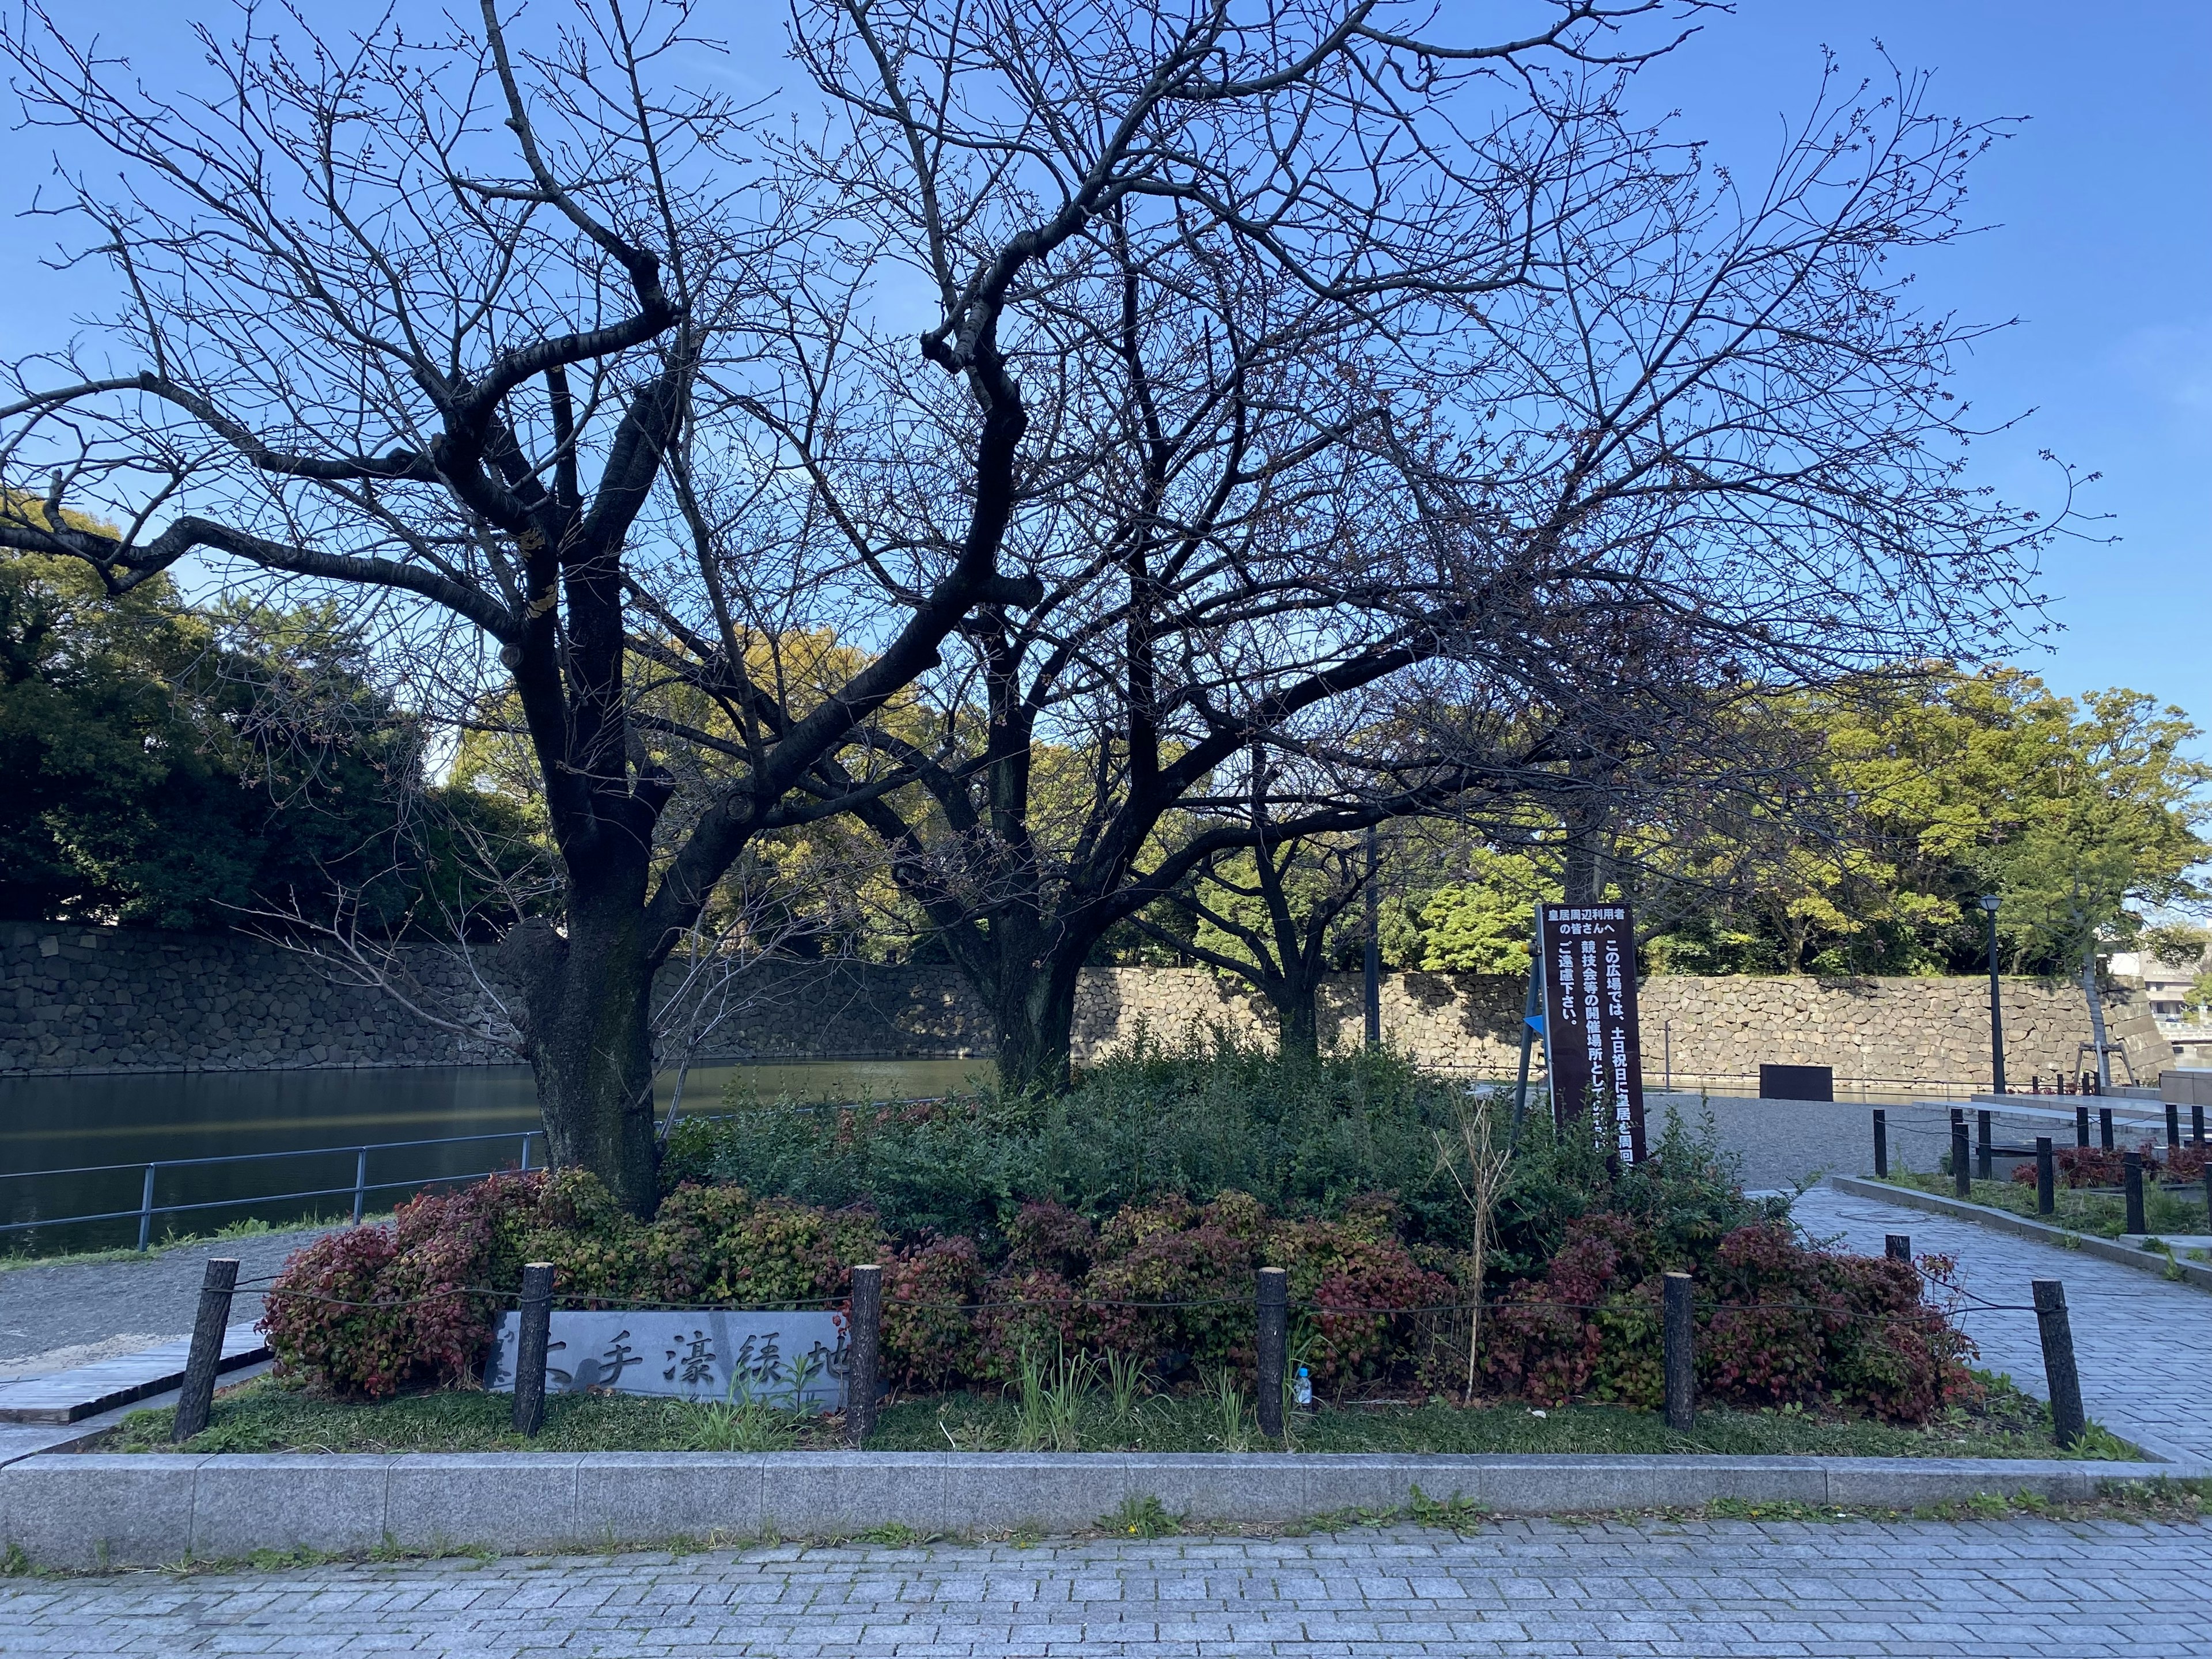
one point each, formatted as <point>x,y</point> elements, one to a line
<point>1997,1017</point>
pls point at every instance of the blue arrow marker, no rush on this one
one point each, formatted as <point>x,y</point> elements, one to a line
<point>1536,1023</point>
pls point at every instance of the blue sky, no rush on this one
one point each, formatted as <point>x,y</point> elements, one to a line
<point>2101,243</point>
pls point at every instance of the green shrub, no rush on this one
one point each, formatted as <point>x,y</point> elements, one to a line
<point>1304,1139</point>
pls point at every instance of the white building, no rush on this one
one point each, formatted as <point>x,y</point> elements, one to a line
<point>2167,989</point>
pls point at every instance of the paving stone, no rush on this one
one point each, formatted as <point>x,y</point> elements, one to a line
<point>2018,1589</point>
<point>2138,1339</point>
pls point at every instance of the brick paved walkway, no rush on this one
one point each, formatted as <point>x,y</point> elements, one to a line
<point>2008,1589</point>
<point>2142,1343</point>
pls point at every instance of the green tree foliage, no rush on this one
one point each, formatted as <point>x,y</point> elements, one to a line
<point>1484,924</point>
<point>178,767</point>
<point>1936,789</point>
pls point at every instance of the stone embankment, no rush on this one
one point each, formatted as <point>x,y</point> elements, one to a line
<point>90,999</point>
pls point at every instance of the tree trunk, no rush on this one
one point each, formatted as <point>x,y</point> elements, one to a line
<point>1297,1026</point>
<point>2096,1015</point>
<point>1034,1014</point>
<point>586,1002</point>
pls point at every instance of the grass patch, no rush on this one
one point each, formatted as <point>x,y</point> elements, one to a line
<point>251,1227</point>
<point>2097,1214</point>
<point>267,1414</point>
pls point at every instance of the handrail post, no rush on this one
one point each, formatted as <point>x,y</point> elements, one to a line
<point>526,1151</point>
<point>146,1209</point>
<point>359,1183</point>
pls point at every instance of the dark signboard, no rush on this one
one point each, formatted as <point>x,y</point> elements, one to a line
<point>1591,1047</point>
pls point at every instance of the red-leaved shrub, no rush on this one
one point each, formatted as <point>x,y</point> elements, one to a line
<point>1776,1324</point>
<point>929,1329</point>
<point>371,1310</point>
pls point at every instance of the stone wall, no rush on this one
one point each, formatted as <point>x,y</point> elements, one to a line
<point>76,999</point>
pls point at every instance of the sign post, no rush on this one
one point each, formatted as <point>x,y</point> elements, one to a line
<point>1592,1049</point>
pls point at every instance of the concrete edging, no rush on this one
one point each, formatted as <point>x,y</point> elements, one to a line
<point>108,1509</point>
<point>2019,1226</point>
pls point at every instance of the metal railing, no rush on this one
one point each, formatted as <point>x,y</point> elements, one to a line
<point>146,1209</point>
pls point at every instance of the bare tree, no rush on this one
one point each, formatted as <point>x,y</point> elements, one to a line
<point>1387,378</point>
<point>1275,906</point>
<point>504,337</point>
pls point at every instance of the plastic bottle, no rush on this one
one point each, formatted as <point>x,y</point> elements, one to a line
<point>1303,1394</point>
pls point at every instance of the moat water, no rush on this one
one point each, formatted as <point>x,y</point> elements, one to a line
<point>101,1133</point>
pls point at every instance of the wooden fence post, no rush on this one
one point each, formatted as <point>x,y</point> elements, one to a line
<point>1273,1306</point>
<point>2132,1190</point>
<point>198,1397</point>
<point>864,1365</point>
<point>2046,1177</point>
<point>1898,1247</point>
<point>1962,1173</point>
<point>1880,1142</point>
<point>2059,1375</point>
<point>1679,1353</point>
<point>530,1348</point>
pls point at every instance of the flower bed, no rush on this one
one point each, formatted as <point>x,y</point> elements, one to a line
<point>1384,1290</point>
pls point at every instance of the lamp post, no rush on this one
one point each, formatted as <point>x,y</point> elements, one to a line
<point>1996,1016</point>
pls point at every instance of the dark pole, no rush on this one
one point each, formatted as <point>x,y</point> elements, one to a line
<point>2059,1375</point>
<point>1880,1142</point>
<point>1962,1174</point>
<point>1981,1146</point>
<point>2132,1190</point>
<point>1679,1354</point>
<point>1527,1040</point>
<point>1374,949</point>
<point>2081,1126</point>
<point>1274,1309</point>
<point>530,1347</point>
<point>2172,1124</point>
<point>1996,1013</point>
<point>1897,1247</point>
<point>2105,1128</point>
<point>197,1398</point>
<point>863,1367</point>
<point>2046,1177</point>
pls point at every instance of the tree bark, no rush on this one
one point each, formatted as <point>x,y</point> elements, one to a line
<point>1033,1008</point>
<point>2096,1014</point>
<point>586,1005</point>
<point>1297,1023</point>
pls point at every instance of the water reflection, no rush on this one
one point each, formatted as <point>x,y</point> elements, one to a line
<point>69,1123</point>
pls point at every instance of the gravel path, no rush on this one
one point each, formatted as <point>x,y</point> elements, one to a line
<point>2005,1589</point>
<point>73,1313</point>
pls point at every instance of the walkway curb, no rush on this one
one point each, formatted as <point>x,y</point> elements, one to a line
<point>106,1509</point>
<point>2004,1221</point>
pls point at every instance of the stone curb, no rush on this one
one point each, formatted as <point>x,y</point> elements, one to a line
<point>2004,1221</point>
<point>104,1510</point>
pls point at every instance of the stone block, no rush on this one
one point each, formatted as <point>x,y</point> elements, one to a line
<point>523,1500</point>
<point>1688,1480</point>
<point>839,1494</point>
<point>1052,1492</point>
<point>1345,1481</point>
<point>1251,1486</point>
<point>97,1510</point>
<point>275,1501</point>
<point>634,1497</point>
<point>1538,1485</point>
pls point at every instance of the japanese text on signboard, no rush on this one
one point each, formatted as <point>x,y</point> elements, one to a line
<point>1591,1045</point>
